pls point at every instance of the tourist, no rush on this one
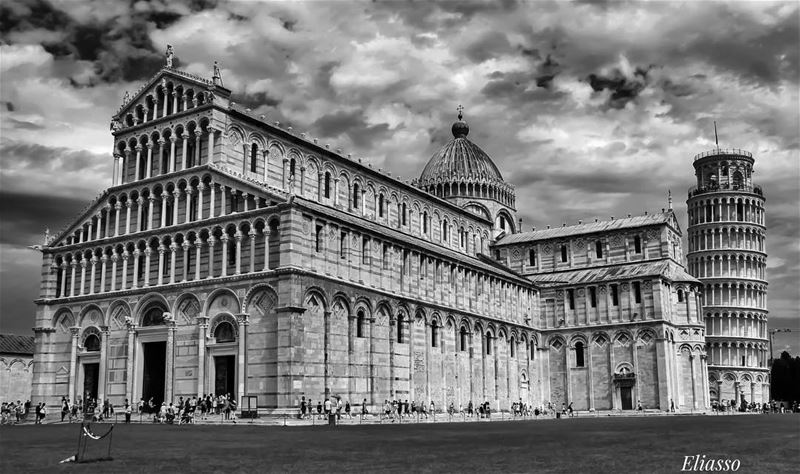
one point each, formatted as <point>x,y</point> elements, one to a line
<point>639,405</point>
<point>327,407</point>
<point>319,410</point>
<point>364,408</point>
<point>433,408</point>
<point>302,408</point>
<point>570,410</point>
<point>347,409</point>
<point>232,407</point>
<point>42,413</point>
<point>127,411</point>
<point>338,408</point>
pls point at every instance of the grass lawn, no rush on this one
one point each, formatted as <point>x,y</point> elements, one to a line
<point>763,443</point>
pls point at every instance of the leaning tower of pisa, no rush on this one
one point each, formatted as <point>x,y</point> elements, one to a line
<point>726,252</point>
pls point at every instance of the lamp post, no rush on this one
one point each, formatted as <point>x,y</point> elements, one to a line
<point>772,333</point>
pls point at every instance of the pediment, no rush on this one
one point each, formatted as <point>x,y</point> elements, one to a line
<point>181,89</point>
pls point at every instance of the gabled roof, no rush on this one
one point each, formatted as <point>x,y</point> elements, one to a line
<point>665,268</point>
<point>13,344</point>
<point>173,73</point>
<point>660,218</point>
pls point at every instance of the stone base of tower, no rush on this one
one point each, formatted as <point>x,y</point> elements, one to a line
<point>742,384</point>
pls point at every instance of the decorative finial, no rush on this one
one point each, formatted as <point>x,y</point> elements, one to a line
<point>126,97</point>
<point>460,128</point>
<point>669,198</point>
<point>169,54</point>
<point>46,236</point>
<point>217,76</point>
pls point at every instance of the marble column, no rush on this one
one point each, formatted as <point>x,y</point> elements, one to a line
<point>75,332</point>
<point>101,377</point>
<point>169,370</point>
<point>131,327</point>
<point>202,328</point>
<point>241,362</point>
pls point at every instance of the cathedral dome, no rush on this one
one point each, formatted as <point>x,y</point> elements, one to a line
<point>460,159</point>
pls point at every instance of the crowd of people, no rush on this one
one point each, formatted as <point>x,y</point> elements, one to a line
<point>225,407</point>
<point>186,410</point>
<point>730,406</point>
<point>398,410</point>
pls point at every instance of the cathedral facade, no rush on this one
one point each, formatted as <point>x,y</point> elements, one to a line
<point>231,255</point>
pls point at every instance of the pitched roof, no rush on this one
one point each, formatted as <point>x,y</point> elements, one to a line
<point>664,267</point>
<point>431,248</point>
<point>666,217</point>
<point>13,344</point>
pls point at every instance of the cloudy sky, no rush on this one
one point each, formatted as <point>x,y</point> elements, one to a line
<point>591,109</point>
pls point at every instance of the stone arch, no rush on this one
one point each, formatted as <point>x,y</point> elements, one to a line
<point>623,368</point>
<point>63,320</point>
<point>221,300</point>
<point>315,296</point>
<point>220,319</point>
<point>91,314</point>
<point>94,332</point>
<point>188,307</point>
<point>119,313</point>
<point>146,301</point>
<point>261,298</point>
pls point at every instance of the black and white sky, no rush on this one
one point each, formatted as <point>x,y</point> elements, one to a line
<point>591,109</point>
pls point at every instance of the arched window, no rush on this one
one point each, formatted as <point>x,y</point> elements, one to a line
<point>153,316</point>
<point>380,205</point>
<point>512,346</point>
<point>680,296</point>
<point>327,185</point>
<point>434,334</point>
<point>425,222</point>
<point>488,344</point>
<point>463,344</point>
<point>253,157</point>
<point>403,214</point>
<point>92,343</point>
<point>579,354</point>
<point>292,165</point>
<point>598,249</point>
<point>563,253</point>
<point>360,323</point>
<point>532,257</point>
<point>356,196</point>
<point>401,322</point>
<point>224,332</point>
<point>637,244</point>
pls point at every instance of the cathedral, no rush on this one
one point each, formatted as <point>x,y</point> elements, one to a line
<point>236,256</point>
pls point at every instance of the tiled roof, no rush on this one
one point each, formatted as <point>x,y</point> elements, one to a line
<point>429,247</point>
<point>590,228</point>
<point>664,267</point>
<point>13,344</point>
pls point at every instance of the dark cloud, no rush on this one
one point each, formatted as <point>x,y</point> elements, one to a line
<point>488,46</point>
<point>22,155</point>
<point>25,216</point>
<point>256,99</point>
<point>23,124</point>
<point>119,47</point>
<point>623,88</point>
<point>352,124</point>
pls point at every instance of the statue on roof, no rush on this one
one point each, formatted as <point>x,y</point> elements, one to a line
<point>126,97</point>
<point>217,76</point>
<point>170,54</point>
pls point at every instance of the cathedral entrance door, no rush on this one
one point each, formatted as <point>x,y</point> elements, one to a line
<point>225,375</point>
<point>90,380</point>
<point>155,358</point>
<point>627,400</point>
